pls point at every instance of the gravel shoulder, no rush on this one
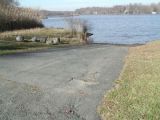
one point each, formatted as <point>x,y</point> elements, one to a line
<point>58,84</point>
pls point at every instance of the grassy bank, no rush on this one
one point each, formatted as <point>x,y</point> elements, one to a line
<point>9,45</point>
<point>137,93</point>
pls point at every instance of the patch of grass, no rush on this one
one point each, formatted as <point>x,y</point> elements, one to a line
<point>137,93</point>
<point>9,45</point>
<point>10,35</point>
<point>30,49</point>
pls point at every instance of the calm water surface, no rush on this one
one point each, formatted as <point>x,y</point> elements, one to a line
<point>117,29</point>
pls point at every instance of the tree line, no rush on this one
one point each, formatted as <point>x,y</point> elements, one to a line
<point>121,9</point>
<point>14,17</point>
<point>47,13</point>
<point>132,9</point>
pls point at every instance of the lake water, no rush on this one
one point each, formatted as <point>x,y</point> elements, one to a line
<point>117,29</point>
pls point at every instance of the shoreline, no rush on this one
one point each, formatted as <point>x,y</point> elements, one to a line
<point>128,45</point>
<point>8,45</point>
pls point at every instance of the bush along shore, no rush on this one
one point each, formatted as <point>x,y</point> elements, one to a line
<point>137,93</point>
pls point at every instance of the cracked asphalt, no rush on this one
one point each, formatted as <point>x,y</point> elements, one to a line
<point>59,83</point>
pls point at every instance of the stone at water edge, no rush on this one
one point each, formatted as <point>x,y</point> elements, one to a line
<point>89,34</point>
<point>34,39</point>
<point>19,38</point>
<point>42,39</point>
<point>56,40</point>
<point>53,41</point>
<point>49,41</point>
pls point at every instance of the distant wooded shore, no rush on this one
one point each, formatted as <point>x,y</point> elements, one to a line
<point>131,9</point>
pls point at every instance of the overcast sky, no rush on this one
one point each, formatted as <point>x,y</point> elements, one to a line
<point>74,4</point>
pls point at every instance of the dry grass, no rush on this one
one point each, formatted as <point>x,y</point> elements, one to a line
<point>35,32</point>
<point>13,18</point>
<point>137,94</point>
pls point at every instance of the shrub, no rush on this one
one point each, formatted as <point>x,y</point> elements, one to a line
<point>79,27</point>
